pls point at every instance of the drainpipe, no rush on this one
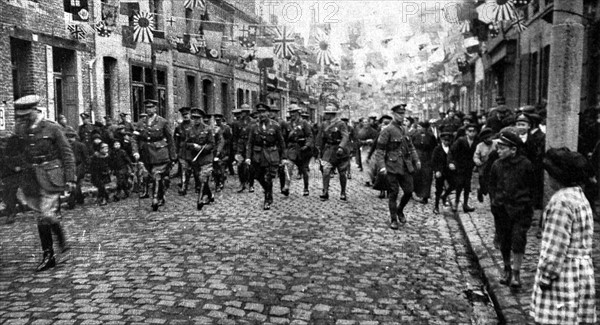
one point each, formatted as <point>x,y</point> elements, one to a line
<point>90,72</point>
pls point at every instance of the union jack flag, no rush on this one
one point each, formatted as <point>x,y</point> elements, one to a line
<point>284,43</point>
<point>77,31</point>
<point>191,4</point>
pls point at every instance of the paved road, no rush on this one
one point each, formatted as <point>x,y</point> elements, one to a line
<point>302,262</point>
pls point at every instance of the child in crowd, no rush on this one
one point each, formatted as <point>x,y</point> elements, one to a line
<point>121,166</point>
<point>482,154</point>
<point>100,170</point>
<point>441,172</point>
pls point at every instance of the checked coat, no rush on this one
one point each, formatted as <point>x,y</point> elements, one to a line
<point>566,262</point>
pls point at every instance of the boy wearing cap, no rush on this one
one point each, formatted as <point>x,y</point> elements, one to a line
<point>481,157</point>
<point>48,169</point>
<point>460,162</point>
<point>401,160</point>
<point>511,193</point>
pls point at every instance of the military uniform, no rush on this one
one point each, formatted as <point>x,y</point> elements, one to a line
<point>332,143</point>
<point>85,132</point>
<point>49,166</point>
<point>184,154</point>
<point>155,144</point>
<point>401,160</point>
<point>201,144</point>
<point>223,135</point>
<point>265,149</point>
<point>299,143</point>
<point>241,132</point>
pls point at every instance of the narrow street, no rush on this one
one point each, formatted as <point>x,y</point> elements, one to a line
<point>302,262</point>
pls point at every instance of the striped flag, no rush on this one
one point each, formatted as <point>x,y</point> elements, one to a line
<point>143,26</point>
<point>192,4</point>
<point>505,11</point>
<point>465,27</point>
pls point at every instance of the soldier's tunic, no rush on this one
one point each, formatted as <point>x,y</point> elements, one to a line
<point>223,137</point>
<point>155,144</point>
<point>333,136</point>
<point>50,164</point>
<point>85,135</point>
<point>184,154</point>
<point>241,132</point>
<point>400,161</point>
<point>201,137</point>
<point>299,143</point>
<point>265,148</point>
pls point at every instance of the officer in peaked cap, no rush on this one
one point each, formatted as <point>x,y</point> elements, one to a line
<point>299,143</point>
<point>42,186</point>
<point>223,155</point>
<point>85,131</point>
<point>184,156</point>
<point>156,141</point>
<point>396,143</point>
<point>241,130</point>
<point>201,143</point>
<point>294,108</point>
<point>262,107</point>
<point>333,144</point>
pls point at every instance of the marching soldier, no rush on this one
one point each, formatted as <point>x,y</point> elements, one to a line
<point>222,156</point>
<point>241,131</point>
<point>201,143</point>
<point>401,159</point>
<point>49,169</point>
<point>156,142</point>
<point>299,144</point>
<point>184,155</point>
<point>264,151</point>
<point>332,143</point>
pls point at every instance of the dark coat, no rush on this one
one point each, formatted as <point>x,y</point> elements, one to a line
<point>511,182</point>
<point>224,131</point>
<point>100,169</point>
<point>180,138</point>
<point>439,161</point>
<point>400,154</point>
<point>156,141</point>
<point>299,141</point>
<point>82,158</point>
<point>48,153</point>
<point>331,137</point>
<point>241,131</point>
<point>461,155</point>
<point>265,146</point>
<point>119,160</point>
<point>203,136</point>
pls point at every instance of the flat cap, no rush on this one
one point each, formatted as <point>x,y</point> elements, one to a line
<point>26,104</point>
<point>304,114</point>
<point>400,108</point>
<point>262,107</point>
<point>446,135</point>
<point>568,167</point>
<point>197,111</point>
<point>217,115</point>
<point>486,133</point>
<point>385,116</point>
<point>150,102</point>
<point>294,108</point>
<point>524,118</point>
<point>236,111</point>
<point>510,139</point>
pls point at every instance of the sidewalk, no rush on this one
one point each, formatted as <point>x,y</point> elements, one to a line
<point>512,306</point>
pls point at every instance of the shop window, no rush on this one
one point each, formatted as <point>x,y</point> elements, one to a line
<point>544,73</point>
<point>110,85</point>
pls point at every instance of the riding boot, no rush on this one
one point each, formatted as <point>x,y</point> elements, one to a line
<point>48,260</point>
<point>343,182</point>
<point>436,208</point>
<point>466,207</point>
<point>305,180</point>
<point>146,189</point>
<point>325,195</point>
<point>57,229</point>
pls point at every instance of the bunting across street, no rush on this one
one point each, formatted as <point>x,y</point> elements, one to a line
<point>284,42</point>
<point>143,26</point>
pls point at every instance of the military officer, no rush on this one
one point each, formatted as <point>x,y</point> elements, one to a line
<point>401,159</point>
<point>299,143</point>
<point>223,152</point>
<point>183,153</point>
<point>241,131</point>
<point>49,169</point>
<point>264,151</point>
<point>156,142</point>
<point>85,131</point>
<point>332,143</point>
<point>201,142</point>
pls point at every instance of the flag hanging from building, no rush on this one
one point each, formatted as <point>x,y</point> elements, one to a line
<point>143,26</point>
<point>284,42</point>
<point>77,31</point>
<point>264,47</point>
<point>465,27</point>
<point>323,51</point>
<point>78,9</point>
<point>110,16</point>
<point>505,10</point>
<point>192,4</point>
<point>102,29</point>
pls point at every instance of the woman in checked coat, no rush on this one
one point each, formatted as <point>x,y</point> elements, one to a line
<point>564,291</point>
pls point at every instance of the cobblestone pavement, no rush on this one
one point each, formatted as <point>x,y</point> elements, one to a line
<point>514,305</point>
<point>302,262</point>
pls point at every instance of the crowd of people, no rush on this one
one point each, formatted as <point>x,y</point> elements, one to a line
<point>506,148</point>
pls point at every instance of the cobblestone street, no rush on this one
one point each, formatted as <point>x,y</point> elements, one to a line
<point>302,262</point>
